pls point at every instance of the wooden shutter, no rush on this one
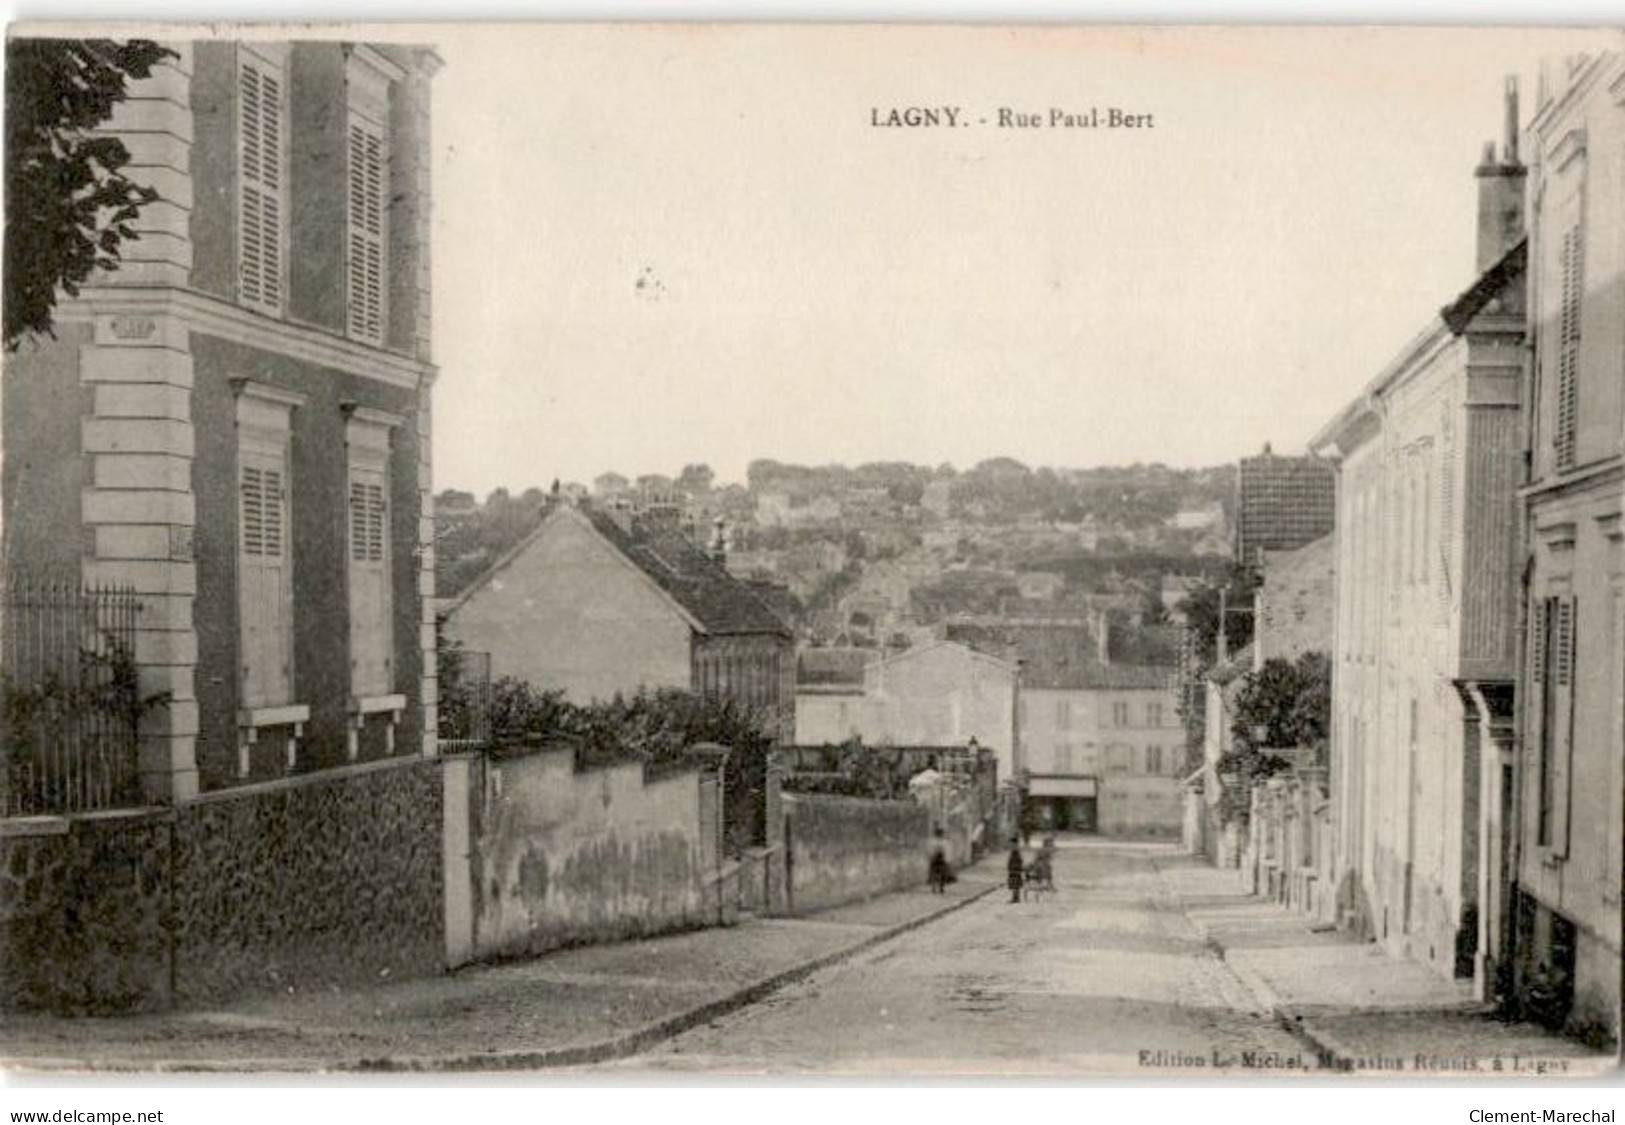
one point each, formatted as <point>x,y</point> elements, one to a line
<point>1566,411</point>
<point>1538,722</point>
<point>367,164</point>
<point>264,593</point>
<point>371,632</point>
<point>261,176</point>
<point>1564,630</point>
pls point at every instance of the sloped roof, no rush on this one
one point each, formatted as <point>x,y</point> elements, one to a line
<point>1458,314</point>
<point>714,598</point>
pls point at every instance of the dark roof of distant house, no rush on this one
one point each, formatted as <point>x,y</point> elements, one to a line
<point>717,600</point>
<point>1061,657</point>
<point>832,667</point>
<point>777,597</point>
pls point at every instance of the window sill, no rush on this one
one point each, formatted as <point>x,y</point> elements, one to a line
<point>361,706</point>
<point>377,704</point>
<point>251,720</point>
<point>288,714</point>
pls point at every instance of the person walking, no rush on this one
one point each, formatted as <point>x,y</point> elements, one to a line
<point>1016,870</point>
<point>940,874</point>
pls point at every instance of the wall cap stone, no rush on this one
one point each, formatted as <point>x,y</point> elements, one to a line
<point>298,781</point>
<point>63,824</point>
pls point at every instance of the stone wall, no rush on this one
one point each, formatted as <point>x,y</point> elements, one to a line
<point>844,849</point>
<point>561,858</point>
<point>323,880</point>
<point>316,881</point>
<point>82,927</point>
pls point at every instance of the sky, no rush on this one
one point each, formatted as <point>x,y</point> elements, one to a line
<point>662,245</point>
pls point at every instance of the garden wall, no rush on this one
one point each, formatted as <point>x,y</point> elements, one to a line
<point>844,849</point>
<point>82,919</point>
<point>558,857</point>
<point>313,881</point>
<point>323,879</point>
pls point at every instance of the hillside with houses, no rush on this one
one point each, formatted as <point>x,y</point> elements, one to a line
<point>885,553</point>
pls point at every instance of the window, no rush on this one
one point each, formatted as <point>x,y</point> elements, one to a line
<point>1572,269</point>
<point>1153,759</point>
<point>264,557</point>
<point>1120,714</point>
<point>261,175</point>
<point>372,665</point>
<point>366,189</point>
<point>1551,677</point>
<point>1153,714</point>
<point>1063,713</point>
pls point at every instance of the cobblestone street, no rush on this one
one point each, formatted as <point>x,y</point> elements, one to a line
<point>1106,975</point>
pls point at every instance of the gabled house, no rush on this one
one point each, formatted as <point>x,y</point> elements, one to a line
<point>596,603</point>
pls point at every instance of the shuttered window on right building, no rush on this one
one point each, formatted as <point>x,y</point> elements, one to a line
<point>1552,650</point>
<point>1565,414</point>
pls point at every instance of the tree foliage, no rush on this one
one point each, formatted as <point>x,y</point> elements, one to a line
<point>69,205</point>
<point>1288,702</point>
<point>1284,705</point>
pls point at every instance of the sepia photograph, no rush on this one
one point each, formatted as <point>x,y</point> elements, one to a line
<point>898,552</point>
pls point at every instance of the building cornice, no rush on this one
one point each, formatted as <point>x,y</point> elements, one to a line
<point>1607,471</point>
<point>1574,89</point>
<point>1355,424</point>
<point>212,316</point>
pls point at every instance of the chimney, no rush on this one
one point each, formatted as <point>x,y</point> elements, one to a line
<point>1500,188</point>
<point>1103,638</point>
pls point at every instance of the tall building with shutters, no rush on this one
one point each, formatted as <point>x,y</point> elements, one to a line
<point>1424,624</point>
<point>1571,761</point>
<point>236,421</point>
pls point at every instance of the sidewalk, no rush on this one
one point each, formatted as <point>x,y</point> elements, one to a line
<point>573,1007</point>
<point>1352,999</point>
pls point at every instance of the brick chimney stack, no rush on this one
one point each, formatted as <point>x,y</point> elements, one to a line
<point>1500,189</point>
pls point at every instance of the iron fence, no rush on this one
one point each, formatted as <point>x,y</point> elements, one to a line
<point>72,702</point>
<point>465,699</point>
